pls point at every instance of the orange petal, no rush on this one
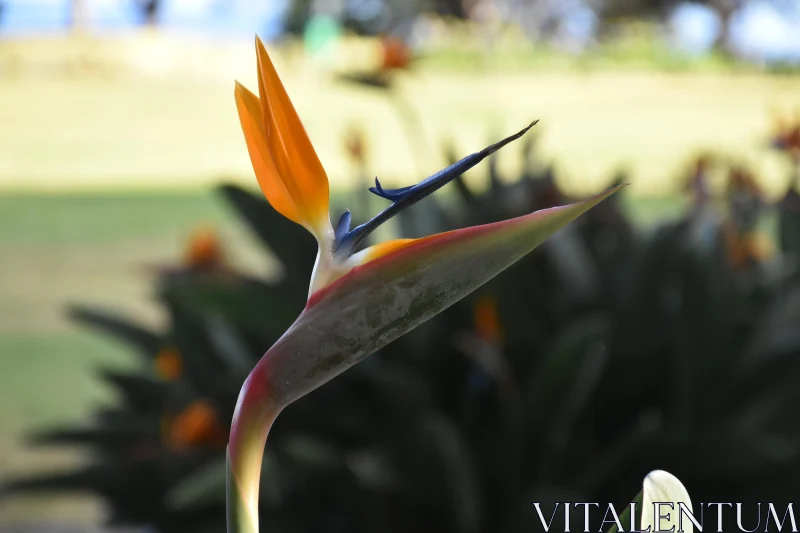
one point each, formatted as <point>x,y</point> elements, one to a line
<point>269,180</point>
<point>384,248</point>
<point>292,153</point>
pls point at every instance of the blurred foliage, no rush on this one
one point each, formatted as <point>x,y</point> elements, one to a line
<point>606,354</point>
<point>541,20</point>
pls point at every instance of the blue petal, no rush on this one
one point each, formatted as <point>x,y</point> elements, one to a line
<point>405,197</point>
<point>343,226</point>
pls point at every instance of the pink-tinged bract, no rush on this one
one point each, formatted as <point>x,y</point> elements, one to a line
<point>359,313</point>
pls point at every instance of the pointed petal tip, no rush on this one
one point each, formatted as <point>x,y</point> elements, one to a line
<point>572,210</point>
<point>524,130</point>
<point>295,179</point>
<point>511,138</point>
<point>597,198</point>
<point>263,59</point>
<point>616,189</point>
<point>585,204</point>
<point>605,194</point>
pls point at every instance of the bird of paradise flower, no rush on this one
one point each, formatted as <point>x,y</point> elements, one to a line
<point>359,299</point>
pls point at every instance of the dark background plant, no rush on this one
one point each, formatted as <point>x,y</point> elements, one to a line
<point>610,352</point>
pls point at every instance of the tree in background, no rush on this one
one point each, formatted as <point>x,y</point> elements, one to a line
<point>77,15</point>
<point>149,10</point>
<point>362,17</point>
<point>611,12</point>
<point>539,18</point>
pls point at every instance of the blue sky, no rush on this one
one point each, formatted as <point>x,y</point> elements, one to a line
<point>233,17</point>
<point>760,30</point>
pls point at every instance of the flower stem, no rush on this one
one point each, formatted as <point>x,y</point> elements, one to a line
<point>252,420</point>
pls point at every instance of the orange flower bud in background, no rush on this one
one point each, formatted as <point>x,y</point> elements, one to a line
<point>486,318</point>
<point>197,424</point>
<point>355,143</point>
<point>168,364</point>
<point>787,136</point>
<point>396,54</point>
<point>204,249</point>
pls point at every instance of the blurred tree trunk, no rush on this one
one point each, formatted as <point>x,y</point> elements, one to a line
<point>723,41</point>
<point>77,15</point>
<point>297,16</point>
<point>725,10</point>
<point>453,8</point>
<point>150,10</point>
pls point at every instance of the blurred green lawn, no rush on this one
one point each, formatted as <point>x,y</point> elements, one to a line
<point>176,124</point>
<point>97,249</point>
<point>72,248</point>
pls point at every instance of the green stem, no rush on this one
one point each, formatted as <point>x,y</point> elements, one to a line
<point>252,420</point>
<point>625,518</point>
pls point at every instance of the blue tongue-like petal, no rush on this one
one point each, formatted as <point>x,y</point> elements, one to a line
<point>390,194</point>
<point>343,226</point>
<point>348,241</point>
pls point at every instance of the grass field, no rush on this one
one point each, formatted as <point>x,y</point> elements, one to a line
<point>60,249</point>
<point>169,118</point>
<point>90,248</point>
